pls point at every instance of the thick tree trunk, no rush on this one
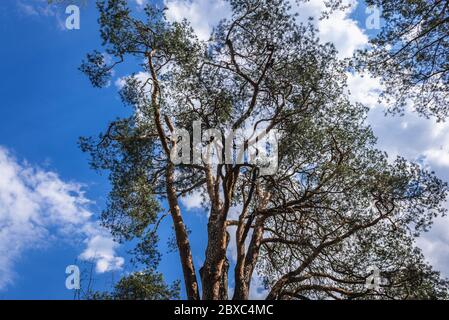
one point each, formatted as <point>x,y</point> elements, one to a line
<point>182,239</point>
<point>215,261</point>
<point>212,270</point>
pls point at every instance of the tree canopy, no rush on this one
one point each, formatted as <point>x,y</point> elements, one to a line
<point>335,206</point>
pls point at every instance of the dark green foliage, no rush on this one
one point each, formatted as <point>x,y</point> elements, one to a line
<point>95,67</point>
<point>145,285</point>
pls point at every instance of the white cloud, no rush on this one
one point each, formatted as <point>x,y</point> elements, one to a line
<point>101,248</point>
<point>202,14</point>
<point>343,33</point>
<point>435,245</point>
<point>413,137</point>
<point>192,200</point>
<point>41,8</point>
<point>141,3</point>
<point>339,28</point>
<point>36,208</point>
<point>424,140</point>
<point>364,89</point>
<point>141,76</point>
<point>438,156</point>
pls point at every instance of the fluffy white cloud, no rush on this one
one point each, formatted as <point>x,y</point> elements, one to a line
<point>36,208</point>
<point>193,200</point>
<point>364,89</point>
<point>426,141</point>
<point>343,33</point>
<point>141,76</point>
<point>339,28</point>
<point>435,245</point>
<point>101,248</point>
<point>202,14</point>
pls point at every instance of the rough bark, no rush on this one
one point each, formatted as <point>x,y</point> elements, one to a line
<point>249,263</point>
<point>182,239</point>
<point>214,264</point>
<point>211,273</point>
<point>181,234</point>
<point>223,295</point>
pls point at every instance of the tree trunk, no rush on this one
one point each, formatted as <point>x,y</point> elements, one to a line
<point>181,234</point>
<point>245,268</point>
<point>223,295</point>
<point>182,239</point>
<point>215,260</point>
<point>211,273</point>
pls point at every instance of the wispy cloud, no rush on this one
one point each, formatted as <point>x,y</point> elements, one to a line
<point>38,208</point>
<point>41,8</point>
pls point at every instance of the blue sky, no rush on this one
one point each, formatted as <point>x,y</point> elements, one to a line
<point>46,184</point>
<point>47,104</point>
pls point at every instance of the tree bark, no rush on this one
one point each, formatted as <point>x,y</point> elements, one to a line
<point>212,270</point>
<point>182,238</point>
<point>248,264</point>
<point>215,260</point>
<point>223,295</point>
<point>246,261</point>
